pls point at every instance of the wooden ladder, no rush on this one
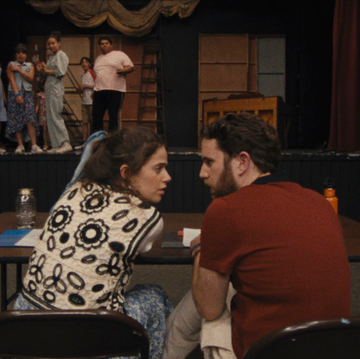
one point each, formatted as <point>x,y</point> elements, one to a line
<point>151,96</point>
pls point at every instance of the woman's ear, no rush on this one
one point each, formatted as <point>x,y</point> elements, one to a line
<point>124,171</point>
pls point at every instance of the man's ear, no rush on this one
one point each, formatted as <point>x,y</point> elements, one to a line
<point>124,171</point>
<point>243,161</point>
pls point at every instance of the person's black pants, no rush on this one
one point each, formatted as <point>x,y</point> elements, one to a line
<point>106,100</point>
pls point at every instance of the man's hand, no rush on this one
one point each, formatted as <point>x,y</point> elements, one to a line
<point>125,70</point>
<point>195,245</point>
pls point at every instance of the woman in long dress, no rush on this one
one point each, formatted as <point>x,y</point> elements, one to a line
<point>54,70</point>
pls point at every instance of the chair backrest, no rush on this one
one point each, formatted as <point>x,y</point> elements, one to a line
<point>71,334</point>
<point>324,339</point>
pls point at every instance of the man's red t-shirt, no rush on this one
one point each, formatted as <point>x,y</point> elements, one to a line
<point>283,247</point>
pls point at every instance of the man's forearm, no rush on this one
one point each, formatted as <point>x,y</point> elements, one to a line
<point>209,290</point>
<point>126,70</point>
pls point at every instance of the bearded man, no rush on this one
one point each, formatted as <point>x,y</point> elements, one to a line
<point>275,248</point>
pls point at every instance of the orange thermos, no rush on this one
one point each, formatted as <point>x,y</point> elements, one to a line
<point>329,193</point>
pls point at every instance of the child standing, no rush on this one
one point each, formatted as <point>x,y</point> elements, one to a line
<point>87,88</point>
<point>3,117</point>
<point>40,109</point>
<point>20,106</point>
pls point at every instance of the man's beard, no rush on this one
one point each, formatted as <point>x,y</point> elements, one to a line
<point>226,183</point>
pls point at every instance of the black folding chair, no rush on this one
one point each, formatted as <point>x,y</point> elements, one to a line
<point>323,339</point>
<point>71,334</point>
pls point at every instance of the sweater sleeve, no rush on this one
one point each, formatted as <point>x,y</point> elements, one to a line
<point>147,243</point>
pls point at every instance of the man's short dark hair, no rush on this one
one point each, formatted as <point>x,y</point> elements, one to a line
<point>250,133</point>
<point>108,38</point>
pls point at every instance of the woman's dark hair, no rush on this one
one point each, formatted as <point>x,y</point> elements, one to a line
<point>88,60</point>
<point>20,48</point>
<point>56,35</point>
<point>130,146</point>
<point>250,133</point>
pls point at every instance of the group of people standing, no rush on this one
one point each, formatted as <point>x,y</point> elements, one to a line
<point>23,116</point>
<point>103,88</point>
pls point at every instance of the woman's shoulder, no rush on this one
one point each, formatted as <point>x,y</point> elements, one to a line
<point>62,54</point>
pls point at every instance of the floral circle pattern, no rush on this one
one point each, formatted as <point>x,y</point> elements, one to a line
<point>91,234</point>
<point>60,217</point>
<point>94,202</point>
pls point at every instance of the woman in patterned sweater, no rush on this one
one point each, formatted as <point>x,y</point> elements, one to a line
<point>85,255</point>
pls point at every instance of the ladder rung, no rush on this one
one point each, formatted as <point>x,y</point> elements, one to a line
<point>150,121</point>
<point>151,107</point>
<point>150,66</point>
<point>153,48</point>
<point>150,93</point>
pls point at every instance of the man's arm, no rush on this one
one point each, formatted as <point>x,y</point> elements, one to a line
<point>125,70</point>
<point>209,289</point>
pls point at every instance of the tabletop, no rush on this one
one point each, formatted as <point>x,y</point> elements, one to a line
<point>172,223</point>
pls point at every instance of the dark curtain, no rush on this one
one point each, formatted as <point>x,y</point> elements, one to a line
<point>345,108</point>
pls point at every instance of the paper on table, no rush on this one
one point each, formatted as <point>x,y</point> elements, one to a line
<point>189,235</point>
<point>30,239</point>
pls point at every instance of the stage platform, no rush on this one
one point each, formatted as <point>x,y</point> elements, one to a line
<point>48,175</point>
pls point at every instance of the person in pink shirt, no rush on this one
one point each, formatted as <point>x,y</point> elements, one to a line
<point>111,68</point>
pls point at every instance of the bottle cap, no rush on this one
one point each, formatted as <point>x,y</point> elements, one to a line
<point>329,183</point>
<point>25,191</point>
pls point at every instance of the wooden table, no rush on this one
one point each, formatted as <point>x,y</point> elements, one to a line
<point>157,255</point>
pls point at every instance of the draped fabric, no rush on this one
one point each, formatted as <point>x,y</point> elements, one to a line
<point>345,109</point>
<point>135,23</point>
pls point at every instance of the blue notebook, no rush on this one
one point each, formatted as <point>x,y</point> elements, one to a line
<point>19,237</point>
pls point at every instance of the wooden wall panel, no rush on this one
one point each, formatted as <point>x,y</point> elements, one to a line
<point>230,78</point>
<point>224,48</point>
<point>227,65</point>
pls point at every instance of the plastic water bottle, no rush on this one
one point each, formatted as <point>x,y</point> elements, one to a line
<point>25,207</point>
<point>329,193</point>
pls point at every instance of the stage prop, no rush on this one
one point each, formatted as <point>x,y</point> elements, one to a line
<point>134,23</point>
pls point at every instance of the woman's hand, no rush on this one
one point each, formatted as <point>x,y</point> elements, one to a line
<point>14,68</point>
<point>19,100</point>
<point>40,66</point>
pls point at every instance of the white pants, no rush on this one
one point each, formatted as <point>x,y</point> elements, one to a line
<point>186,328</point>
